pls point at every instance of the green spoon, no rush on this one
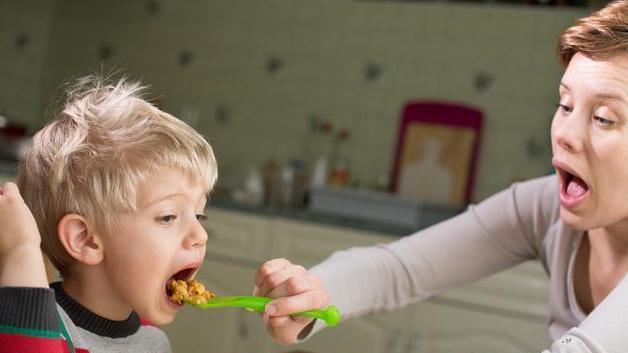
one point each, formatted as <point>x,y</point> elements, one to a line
<point>331,314</point>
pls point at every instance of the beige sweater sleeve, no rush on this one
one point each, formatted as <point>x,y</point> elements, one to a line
<point>498,233</point>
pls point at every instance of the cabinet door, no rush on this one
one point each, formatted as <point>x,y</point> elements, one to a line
<point>523,289</point>
<point>441,328</point>
<point>353,336</point>
<point>222,330</point>
<point>237,235</point>
<point>308,244</point>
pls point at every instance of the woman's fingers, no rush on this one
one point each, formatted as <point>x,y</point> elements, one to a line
<point>277,321</point>
<point>285,329</point>
<point>295,285</point>
<point>307,300</point>
<point>294,290</point>
<point>278,278</point>
<point>268,268</point>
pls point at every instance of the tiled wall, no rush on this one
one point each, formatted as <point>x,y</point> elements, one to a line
<point>24,41</point>
<point>500,59</point>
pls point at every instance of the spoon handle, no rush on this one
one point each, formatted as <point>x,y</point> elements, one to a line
<point>330,314</point>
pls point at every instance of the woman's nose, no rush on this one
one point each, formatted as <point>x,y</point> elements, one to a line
<point>569,134</point>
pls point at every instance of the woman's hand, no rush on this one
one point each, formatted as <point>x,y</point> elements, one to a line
<point>293,290</point>
<point>21,260</point>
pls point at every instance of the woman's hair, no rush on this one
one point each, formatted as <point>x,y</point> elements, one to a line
<point>104,140</point>
<point>603,33</point>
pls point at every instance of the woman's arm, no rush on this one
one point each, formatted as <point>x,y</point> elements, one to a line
<point>502,231</point>
<point>505,230</point>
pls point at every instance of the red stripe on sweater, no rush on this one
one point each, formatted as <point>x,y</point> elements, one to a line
<point>145,322</point>
<point>11,343</point>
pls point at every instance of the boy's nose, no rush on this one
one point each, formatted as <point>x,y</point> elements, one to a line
<point>197,236</point>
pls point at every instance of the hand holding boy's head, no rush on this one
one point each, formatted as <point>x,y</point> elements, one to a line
<point>18,226</point>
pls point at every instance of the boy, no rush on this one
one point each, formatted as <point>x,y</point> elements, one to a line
<point>117,190</point>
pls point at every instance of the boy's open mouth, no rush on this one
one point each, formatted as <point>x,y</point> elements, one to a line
<point>183,275</point>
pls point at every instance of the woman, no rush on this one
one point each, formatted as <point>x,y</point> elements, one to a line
<point>574,222</point>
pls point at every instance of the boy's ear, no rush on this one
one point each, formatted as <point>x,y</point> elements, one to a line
<point>80,239</point>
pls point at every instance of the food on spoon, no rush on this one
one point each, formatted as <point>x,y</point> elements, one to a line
<point>190,290</point>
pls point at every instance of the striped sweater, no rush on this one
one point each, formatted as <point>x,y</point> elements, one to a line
<point>48,320</point>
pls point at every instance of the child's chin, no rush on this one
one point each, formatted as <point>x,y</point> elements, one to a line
<point>158,319</point>
<point>165,321</point>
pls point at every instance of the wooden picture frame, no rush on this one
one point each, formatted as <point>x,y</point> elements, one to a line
<point>436,152</point>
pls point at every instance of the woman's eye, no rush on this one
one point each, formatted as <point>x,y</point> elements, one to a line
<point>603,122</point>
<point>166,219</point>
<point>564,108</point>
<point>201,217</point>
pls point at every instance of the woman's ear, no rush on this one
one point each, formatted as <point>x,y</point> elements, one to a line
<point>80,239</point>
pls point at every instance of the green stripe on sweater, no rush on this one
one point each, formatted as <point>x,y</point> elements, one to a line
<point>28,332</point>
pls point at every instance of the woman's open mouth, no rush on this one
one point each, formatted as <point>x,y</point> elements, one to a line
<point>572,188</point>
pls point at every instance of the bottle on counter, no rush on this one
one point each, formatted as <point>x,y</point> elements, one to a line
<point>252,191</point>
<point>339,174</point>
<point>272,183</point>
<point>318,171</point>
<point>293,184</point>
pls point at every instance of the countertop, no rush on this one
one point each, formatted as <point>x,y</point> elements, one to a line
<point>8,172</point>
<point>307,215</point>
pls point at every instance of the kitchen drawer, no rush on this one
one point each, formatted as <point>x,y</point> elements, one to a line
<point>308,244</point>
<point>443,329</point>
<point>237,235</point>
<point>521,291</point>
<point>220,330</point>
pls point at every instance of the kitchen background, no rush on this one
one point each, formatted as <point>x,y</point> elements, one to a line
<point>253,76</point>
<point>271,83</point>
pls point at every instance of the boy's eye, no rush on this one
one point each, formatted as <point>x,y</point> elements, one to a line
<point>201,217</point>
<point>166,219</point>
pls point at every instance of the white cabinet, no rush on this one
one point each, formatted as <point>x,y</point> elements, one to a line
<point>308,244</point>
<point>237,235</point>
<point>213,330</point>
<point>442,328</point>
<point>354,336</point>
<point>522,290</point>
<point>504,313</point>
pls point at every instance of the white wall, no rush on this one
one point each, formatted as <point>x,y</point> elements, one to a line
<point>21,66</point>
<point>426,50</point>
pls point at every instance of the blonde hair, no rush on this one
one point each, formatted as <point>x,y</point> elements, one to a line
<point>102,143</point>
<point>603,33</point>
